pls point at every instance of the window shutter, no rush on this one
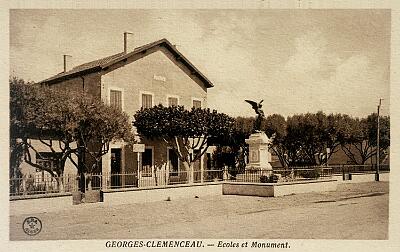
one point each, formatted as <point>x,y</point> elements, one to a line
<point>116,99</point>
<point>196,104</point>
<point>172,101</point>
<point>147,101</point>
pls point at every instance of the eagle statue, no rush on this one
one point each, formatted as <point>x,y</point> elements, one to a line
<point>260,114</point>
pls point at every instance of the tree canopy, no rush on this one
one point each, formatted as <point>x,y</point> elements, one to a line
<point>359,139</point>
<point>312,138</point>
<point>73,123</point>
<point>184,130</point>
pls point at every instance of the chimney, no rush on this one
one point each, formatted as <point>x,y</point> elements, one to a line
<point>66,63</point>
<point>126,41</point>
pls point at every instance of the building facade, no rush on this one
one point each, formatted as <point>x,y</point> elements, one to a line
<point>156,73</point>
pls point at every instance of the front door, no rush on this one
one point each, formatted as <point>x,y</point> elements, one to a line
<point>116,168</point>
<point>147,163</point>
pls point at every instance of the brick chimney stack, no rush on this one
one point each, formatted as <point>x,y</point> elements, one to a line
<point>126,41</point>
<point>66,62</point>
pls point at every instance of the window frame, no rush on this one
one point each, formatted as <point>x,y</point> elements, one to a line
<point>49,160</point>
<point>172,96</point>
<point>141,93</point>
<point>197,99</point>
<point>122,96</point>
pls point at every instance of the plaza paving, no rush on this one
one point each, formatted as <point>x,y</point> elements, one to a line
<point>354,211</point>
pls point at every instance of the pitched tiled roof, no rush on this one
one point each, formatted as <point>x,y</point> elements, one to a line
<point>102,63</point>
<point>84,67</point>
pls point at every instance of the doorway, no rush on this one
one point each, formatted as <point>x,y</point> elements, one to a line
<point>115,168</point>
<point>147,162</point>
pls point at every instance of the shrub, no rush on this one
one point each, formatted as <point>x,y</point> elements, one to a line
<point>264,179</point>
<point>233,171</point>
<point>309,174</point>
<point>269,179</point>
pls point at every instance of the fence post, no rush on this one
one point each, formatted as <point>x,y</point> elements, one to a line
<point>292,173</point>
<point>24,189</point>
<point>167,173</point>
<point>123,175</point>
<point>225,173</point>
<point>202,171</point>
<point>343,176</point>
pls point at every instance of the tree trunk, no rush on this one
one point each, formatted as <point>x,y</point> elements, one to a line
<point>82,182</point>
<point>155,175</point>
<point>191,180</point>
<point>60,184</point>
<point>190,172</point>
<point>89,181</point>
<point>24,189</point>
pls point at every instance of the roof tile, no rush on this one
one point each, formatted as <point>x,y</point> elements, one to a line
<point>106,61</point>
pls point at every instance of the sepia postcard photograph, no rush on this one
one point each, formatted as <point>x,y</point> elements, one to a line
<point>199,128</point>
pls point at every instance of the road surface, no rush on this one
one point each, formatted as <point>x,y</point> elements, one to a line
<point>354,211</point>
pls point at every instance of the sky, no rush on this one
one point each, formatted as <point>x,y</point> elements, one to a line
<point>297,61</point>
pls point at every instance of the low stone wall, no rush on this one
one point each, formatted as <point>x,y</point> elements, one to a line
<point>40,205</point>
<point>52,203</point>
<point>55,203</point>
<point>362,177</point>
<point>248,189</point>
<point>278,189</point>
<point>158,194</point>
<point>323,185</point>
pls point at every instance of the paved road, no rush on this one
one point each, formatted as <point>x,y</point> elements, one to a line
<point>355,211</point>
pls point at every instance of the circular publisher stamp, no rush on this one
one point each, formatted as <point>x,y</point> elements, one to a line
<point>32,226</point>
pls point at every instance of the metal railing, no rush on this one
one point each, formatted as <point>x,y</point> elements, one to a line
<point>298,173</point>
<point>369,168</point>
<point>43,184</point>
<point>282,175</point>
<point>103,181</point>
<point>46,184</point>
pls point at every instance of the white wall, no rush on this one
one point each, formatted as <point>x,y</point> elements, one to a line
<point>40,147</point>
<point>359,178</point>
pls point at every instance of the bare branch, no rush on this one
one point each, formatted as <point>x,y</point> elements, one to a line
<point>349,153</point>
<point>50,145</point>
<point>73,161</point>
<point>194,146</point>
<point>28,160</point>
<point>178,148</point>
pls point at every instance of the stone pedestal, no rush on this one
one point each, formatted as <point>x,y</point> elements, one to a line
<point>93,196</point>
<point>77,198</point>
<point>259,156</point>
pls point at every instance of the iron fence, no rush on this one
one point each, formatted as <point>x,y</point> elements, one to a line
<point>46,184</point>
<point>297,173</point>
<point>368,168</point>
<point>282,175</point>
<point>154,179</point>
<point>43,184</point>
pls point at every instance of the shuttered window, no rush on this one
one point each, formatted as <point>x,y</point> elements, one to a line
<point>116,99</point>
<point>47,160</point>
<point>196,104</point>
<point>147,101</point>
<point>172,101</point>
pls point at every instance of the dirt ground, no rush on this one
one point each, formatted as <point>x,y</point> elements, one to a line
<point>354,211</point>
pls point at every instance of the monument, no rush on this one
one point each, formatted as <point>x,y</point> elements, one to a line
<point>259,156</point>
